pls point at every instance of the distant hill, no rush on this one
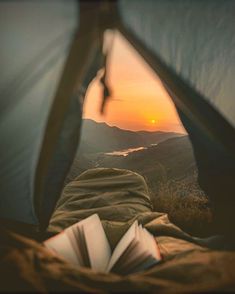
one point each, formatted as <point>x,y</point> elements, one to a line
<point>171,159</point>
<point>100,137</point>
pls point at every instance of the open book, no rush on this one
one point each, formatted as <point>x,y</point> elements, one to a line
<point>85,244</point>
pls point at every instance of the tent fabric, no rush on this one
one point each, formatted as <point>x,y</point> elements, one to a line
<point>187,265</point>
<point>62,133</point>
<point>193,38</point>
<point>42,92</point>
<point>65,149</point>
<point>190,45</point>
<point>35,39</point>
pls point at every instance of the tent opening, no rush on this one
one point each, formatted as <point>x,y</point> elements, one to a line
<point>141,131</point>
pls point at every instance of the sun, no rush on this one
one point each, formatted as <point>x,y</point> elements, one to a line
<point>153,121</point>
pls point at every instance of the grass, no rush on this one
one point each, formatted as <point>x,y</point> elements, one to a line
<point>185,204</point>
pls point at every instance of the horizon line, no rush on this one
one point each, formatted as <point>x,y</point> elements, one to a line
<point>135,131</point>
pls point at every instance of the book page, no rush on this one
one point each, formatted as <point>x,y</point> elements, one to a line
<point>83,246</point>
<point>137,254</point>
<point>140,254</point>
<point>123,260</point>
<point>144,264</point>
<point>97,243</point>
<point>152,245</point>
<point>72,233</point>
<point>76,237</point>
<point>61,245</point>
<point>123,244</point>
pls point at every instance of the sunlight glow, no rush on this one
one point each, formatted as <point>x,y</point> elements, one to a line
<point>138,96</point>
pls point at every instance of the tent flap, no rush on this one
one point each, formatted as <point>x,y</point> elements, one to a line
<point>189,44</point>
<point>32,59</point>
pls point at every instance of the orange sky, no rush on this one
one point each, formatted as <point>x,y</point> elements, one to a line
<point>139,101</point>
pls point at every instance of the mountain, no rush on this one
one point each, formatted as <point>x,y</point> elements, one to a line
<point>172,159</point>
<point>100,137</point>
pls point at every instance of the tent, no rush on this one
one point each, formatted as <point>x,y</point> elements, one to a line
<point>50,52</point>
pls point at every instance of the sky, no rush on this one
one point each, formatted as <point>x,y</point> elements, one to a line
<point>138,100</point>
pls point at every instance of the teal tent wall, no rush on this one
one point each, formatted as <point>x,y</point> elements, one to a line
<point>35,37</point>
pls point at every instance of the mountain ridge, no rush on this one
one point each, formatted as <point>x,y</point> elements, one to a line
<point>126,130</point>
<point>100,137</point>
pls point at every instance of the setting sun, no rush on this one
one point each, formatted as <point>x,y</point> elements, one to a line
<point>138,96</point>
